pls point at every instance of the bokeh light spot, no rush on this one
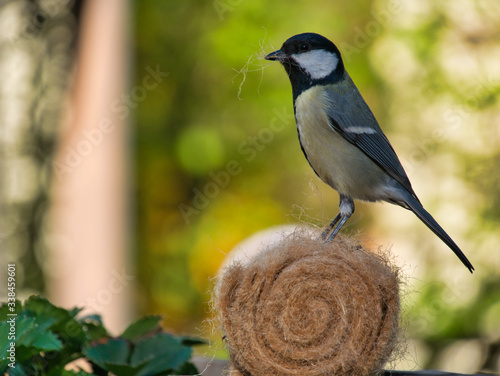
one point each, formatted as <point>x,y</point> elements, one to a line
<point>200,150</point>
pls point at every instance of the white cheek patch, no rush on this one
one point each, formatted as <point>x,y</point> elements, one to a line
<point>317,63</point>
<point>360,130</point>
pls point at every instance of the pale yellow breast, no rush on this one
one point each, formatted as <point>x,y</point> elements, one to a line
<point>337,162</point>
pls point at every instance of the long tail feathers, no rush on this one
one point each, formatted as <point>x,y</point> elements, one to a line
<point>430,222</point>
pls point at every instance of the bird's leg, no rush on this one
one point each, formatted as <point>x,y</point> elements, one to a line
<point>325,233</point>
<point>346,206</point>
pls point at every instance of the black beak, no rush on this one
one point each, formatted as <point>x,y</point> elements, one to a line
<point>276,55</point>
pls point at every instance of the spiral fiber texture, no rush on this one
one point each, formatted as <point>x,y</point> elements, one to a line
<point>303,307</point>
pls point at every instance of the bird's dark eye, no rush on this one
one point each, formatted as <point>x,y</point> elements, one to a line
<point>303,47</point>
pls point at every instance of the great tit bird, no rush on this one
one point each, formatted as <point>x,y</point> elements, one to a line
<point>341,138</point>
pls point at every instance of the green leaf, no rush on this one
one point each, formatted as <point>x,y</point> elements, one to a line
<point>142,327</point>
<point>24,324</point>
<point>31,338</point>
<point>60,371</point>
<point>24,353</point>
<point>17,371</point>
<point>149,348</point>
<point>115,350</point>
<point>3,365</point>
<point>93,327</point>
<point>123,370</point>
<point>187,368</point>
<point>62,321</point>
<point>41,306</point>
<point>38,330</point>
<point>96,319</point>
<point>192,341</point>
<point>47,341</point>
<point>95,332</point>
<point>75,311</point>
<point>40,326</point>
<point>5,343</point>
<point>162,352</point>
<point>4,310</point>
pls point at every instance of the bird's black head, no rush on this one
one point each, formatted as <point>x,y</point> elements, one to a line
<point>309,59</point>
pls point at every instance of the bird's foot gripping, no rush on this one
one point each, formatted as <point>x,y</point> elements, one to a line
<point>324,234</point>
<point>346,206</point>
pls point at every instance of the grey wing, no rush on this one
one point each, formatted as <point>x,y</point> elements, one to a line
<point>357,125</point>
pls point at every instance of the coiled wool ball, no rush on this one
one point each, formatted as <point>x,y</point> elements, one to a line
<point>305,307</point>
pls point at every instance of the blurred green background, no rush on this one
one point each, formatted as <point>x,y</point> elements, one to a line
<point>429,71</point>
<point>217,156</point>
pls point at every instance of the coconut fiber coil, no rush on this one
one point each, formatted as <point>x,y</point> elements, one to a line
<point>305,307</point>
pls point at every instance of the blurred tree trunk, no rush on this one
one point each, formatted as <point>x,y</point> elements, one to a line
<point>89,221</point>
<point>37,43</point>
